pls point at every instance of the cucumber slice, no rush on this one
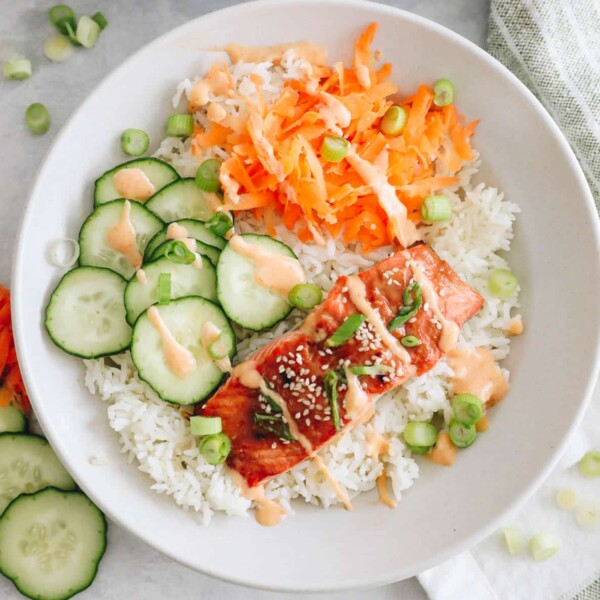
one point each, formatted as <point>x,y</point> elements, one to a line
<point>210,252</point>
<point>186,280</point>
<point>51,543</point>
<point>196,230</point>
<point>94,249</point>
<point>182,199</point>
<point>86,315</point>
<point>28,464</point>
<point>12,420</point>
<point>158,172</point>
<point>184,318</point>
<point>244,301</point>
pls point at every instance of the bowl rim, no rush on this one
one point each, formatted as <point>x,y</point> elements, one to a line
<point>238,11</point>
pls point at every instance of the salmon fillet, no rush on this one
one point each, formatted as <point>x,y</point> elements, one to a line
<point>294,366</point>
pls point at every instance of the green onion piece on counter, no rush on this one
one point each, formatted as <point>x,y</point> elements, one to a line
<point>207,175</point>
<point>62,15</point>
<point>502,284</point>
<point>215,448</point>
<point>461,435</point>
<point>543,545</point>
<point>273,424</point>
<point>17,68</point>
<point>566,498</point>
<point>71,34</point>
<point>371,370</point>
<point>420,434</point>
<point>467,408</point>
<point>589,465</point>
<point>181,125</point>
<point>394,120</point>
<point>515,542</point>
<point>436,209</point>
<point>334,148</point>
<point>330,384</point>
<point>410,341</point>
<point>346,330</point>
<point>37,118</point>
<point>412,298</point>
<point>100,19</point>
<point>418,449</point>
<point>88,32</point>
<point>58,48</point>
<point>221,347</point>
<point>305,296</point>
<point>177,252</point>
<point>444,92</point>
<point>164,288</point>
<point>587,516</point>
<point>205,425</point>
<point>134,142</point>
<point>220,223</point>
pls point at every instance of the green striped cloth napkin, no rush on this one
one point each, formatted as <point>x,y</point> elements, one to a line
<point>553,46</point>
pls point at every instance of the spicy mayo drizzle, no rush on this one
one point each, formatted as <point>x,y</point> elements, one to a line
<point>356,399</point>
<point>133,184</point>
<point>121,237</point>
<point>376,446</point>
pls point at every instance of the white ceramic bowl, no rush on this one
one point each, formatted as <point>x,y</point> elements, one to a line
<point>553,364</point>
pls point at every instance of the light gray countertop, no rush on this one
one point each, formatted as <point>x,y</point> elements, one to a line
<point>130,569</point>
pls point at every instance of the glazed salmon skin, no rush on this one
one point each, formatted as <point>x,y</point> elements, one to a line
<point>277,408</point>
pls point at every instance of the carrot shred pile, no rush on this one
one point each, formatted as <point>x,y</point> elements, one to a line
<point>276,170</point>
<point>12,389</point>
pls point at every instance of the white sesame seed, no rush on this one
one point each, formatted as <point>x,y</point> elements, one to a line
<point>274,445</point>
<point>307,421</point>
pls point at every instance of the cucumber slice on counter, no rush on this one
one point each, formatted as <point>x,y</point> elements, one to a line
<point>182,199</point>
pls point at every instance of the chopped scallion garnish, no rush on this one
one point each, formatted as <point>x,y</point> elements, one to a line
<point>134,142</point>
<point>17,68</point>
<point>221,347</point>
<point>305,296</point>
<point>37,118</point>
<point>410,341</point>
<point>207,175</point>
<point>330,383</point>
<point>70,33</point>
<point>461,435</point>
<point>220,223</point>
<point>587,516</point>
<point>444,92</point>
<point>177,252</point>
<point>420,434</point>
<point>215,448</point>
<point>467,408</point>
<point>334,148</point>
<point>394,120</point>
<point>180,125</point>
<point>88,32</point>
<point>62,16</point>
<point>436,209</point>
<point>515,542</point>
<point>370,370</point>
<point>346,330</point>
<point>100,19</point>
<point>543,545</point>
<point>589,465</point>
<point>412,299</point>
<point>502,284</point>
<point>58,48</point>
<point>164,288</point>
<point>566,498</point>
<point>418,449</point>
<point>200,425</point>
<point>273,424</point>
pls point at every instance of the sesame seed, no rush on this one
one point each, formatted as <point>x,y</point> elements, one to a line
<point>300,348</point>
<point>274,445</point>
<point>297,415</point>
<point>307,421</point>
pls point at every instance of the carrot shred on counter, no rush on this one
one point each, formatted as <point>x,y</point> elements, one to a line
<point>276,169</point>
<point>12,389</point>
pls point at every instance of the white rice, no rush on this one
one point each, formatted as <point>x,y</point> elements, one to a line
<point>156,436</point>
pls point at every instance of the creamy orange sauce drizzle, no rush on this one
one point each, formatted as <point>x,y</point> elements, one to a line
<point>121,237</point>
<point>175,231</point>
<point>375,176</point>
<point>444,452</point>
<point>216,82</point>
<point>334,113</point>
<point>483,424</point>
<point>179,359</point>
<point>273,271</point>
<point>450,329</point>
<point>356,399</point>
<point>476,372</point>
<point>210,333</point>
<point>358,296</point>
<point>141,276</point>
<point>377,445</point>
<point>133,184</point>
<point>313,53</point>
<point>515,326</point>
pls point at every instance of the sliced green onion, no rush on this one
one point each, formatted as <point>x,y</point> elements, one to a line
<point>334,148</point>
<point>566,498</point>
<point>134,142</point>
<point>543,545</point>
<point>221,347</point>
<point>88,32</point>
<point>502,284</point>
<point>100,19</point>
<point>164,288</point>
<point>215,448</point>
<point>330,384</point>
<point>180,125</point>
<point>58,48</point>
<point>370,370</point>
<point>346,330</point>
<point>305,296</point>
<point>205,425</point>
<point>436,209</point>
<point>70,33</point>
<point>273,424</point>
<point>62,15</point>
<point>515,542</point>
<point>394,120</point>
<point>418,449</point>
<point>207,175</point>
<point>177,252</point>
<point>17,68</point>
<point>444,92</point>
<point>411,305</point>
<point>467,408</point>
<point>587,516</point>
<point>220,223</point>
<point>276,409</point>
<point>37,118</point>
<point>410,341</point>
<point>589,465</point>
<point>461,435</point>
<point>420,434</point>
